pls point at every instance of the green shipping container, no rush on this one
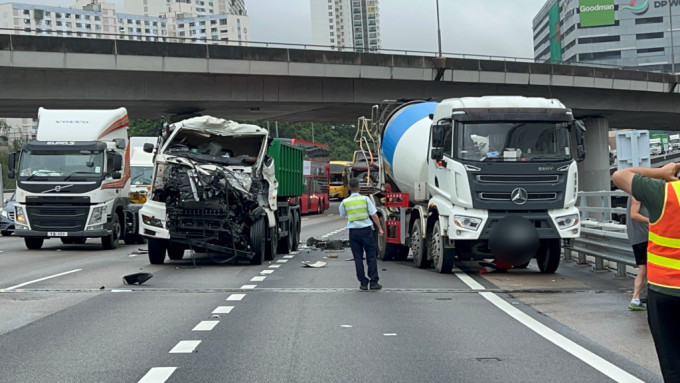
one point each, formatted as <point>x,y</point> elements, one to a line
<point>288,166</point>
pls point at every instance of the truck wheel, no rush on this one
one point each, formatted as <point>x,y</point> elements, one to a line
<point>297,226</point>
<point>441,257</point>
<point>382,244</point>
<point>548,255</point>
<point>418,246</point>
<point>175,252</point>
<point>110,242</point>
<point>273,244</point>
<point>285,244</point>
<point>157,249</point>
<point>33,243</point>
<point>258,241</point>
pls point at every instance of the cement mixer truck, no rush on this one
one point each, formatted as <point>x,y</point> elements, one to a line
<point>490,177</point>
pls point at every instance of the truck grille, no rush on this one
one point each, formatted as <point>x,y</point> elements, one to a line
<point>57,218</point>
<point>518,179</point>
<point>491,196</point>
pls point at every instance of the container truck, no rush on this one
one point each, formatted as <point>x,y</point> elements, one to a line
<point>222,188</point>
<point>73,180</point>
<point>474,178</point>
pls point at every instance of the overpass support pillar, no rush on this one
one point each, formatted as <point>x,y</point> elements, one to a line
<point>593,172</point>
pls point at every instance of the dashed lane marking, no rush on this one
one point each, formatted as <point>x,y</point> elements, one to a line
<point>223,309</point>
<point>235,297</point>
<point>258,278</point>
<point>288,256</point>
<point>274,266</point>
<point>248,287</point>
<point>40,280</point>
<point>282,261</point>
<point>185,347</point>
<point>266,271</point>
<point>206,325</point>
<point>587,356</point>
<point>158,375</point>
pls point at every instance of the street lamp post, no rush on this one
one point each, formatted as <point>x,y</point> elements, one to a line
<point>439,32</point>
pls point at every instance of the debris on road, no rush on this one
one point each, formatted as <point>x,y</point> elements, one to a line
<point>138,278</point>
<point>316,264</point>
<point>335,244</point>
<point>332,255</point>
<point>140,251</point>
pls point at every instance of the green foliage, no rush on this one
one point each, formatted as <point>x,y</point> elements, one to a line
<point>144,127</point>
<point>38,14</point>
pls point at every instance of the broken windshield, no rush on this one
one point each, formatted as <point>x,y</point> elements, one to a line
<point>512,141</point>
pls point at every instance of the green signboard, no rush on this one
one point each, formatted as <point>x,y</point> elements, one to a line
<point>595,13</point>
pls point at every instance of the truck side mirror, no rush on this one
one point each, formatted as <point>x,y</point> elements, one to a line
<point>117,162</point>
<point>437,154</point>
<point>10,165</point>
<point>437,136</point>
<point>580,142</point>
<point>116,175</point>
<point>148,147</point>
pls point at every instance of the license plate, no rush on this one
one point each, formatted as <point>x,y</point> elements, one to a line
<point>57,234</point>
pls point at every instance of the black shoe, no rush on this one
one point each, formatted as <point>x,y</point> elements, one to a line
<point>363,287</point>
<point>377,286</point>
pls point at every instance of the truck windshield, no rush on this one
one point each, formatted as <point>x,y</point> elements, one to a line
<point>61,163</point>
<point>512,141</point>
<point>141,175</point>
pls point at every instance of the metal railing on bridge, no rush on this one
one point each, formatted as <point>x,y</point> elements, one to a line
<point>603,236</point>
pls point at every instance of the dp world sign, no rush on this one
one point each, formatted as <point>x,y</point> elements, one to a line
<point>595,13</point>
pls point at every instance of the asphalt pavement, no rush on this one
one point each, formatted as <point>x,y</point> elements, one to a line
<point>67,316</point>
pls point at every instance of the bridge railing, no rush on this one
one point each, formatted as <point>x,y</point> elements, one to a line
<point>602,238</point>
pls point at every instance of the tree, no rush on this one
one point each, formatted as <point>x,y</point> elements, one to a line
<point>144,127</point>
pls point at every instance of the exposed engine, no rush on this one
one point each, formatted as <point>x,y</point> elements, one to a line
<point>206,204</point>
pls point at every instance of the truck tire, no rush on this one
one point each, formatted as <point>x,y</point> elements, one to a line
<point>110,242</point>
<point>285,244</point>
<point>297,226</point>
<point>33,243</point>
<point>157,249</point>
<point>273,244</point>
<point>175,252</point>
<point>258,241</point>
<point>380,240</point>
<point>548,255</point>
<point>419,246</point>
<point>441,256</point>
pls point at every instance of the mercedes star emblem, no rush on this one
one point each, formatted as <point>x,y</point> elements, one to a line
<point>519,196</point>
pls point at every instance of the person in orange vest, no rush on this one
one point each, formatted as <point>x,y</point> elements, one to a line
<point>659,190</point>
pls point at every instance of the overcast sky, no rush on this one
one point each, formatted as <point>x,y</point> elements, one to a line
<point>480,27</point>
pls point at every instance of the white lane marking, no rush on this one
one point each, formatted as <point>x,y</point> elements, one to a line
<point>121,290</point>
<point>130,256</point>
<point>157,375</point>
<point>346,325</point>
<point>248,287</point>
<point>587,356</point>
<point>266,271</point>
<point>206,325</point>
<point>390,334</point>
<point>185,347</point>
<point>295,252</point>
<point>274,266</point>
<point>235,297</point>
<point>223,309</point>
<point>288,256</point>
<point>282,261</point>
<point>40,280</point>
<point>330,214</point>
<point>258,278</point>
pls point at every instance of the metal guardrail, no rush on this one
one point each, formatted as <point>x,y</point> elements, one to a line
<point>602,238</point>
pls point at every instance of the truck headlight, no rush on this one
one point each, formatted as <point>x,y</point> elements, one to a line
<point>152,221</point>
<point>4,214</point>
<point>567,221</point>
<point>97,215</point>
<point>19,216</point>
<point>465,222</point>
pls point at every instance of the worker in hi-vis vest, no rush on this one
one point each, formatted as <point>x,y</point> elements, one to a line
<point>658,189</point>
<point>359,211</point>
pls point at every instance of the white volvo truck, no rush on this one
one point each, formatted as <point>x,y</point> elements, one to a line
<point>475,178</point>
<point>73,180</point>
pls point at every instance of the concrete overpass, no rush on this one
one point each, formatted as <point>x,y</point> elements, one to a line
<point>151,79</point>
<point>251,83</point>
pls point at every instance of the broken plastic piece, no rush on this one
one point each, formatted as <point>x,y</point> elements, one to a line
<point>314,264</point>
<point>335,244</point>
<point>138,278</point>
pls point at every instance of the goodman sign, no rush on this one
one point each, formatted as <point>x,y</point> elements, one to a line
<point>595,13</point>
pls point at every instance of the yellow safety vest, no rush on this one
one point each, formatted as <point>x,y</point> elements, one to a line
<point>356,208</point>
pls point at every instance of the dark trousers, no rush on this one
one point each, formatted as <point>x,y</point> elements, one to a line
<point>361,240</point>
<point>664,311</point>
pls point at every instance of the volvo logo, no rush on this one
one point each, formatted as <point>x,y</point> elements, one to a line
<point>519,196</point>
<point>58,188</point>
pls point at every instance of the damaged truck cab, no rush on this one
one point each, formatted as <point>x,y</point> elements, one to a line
<point>215,190</point>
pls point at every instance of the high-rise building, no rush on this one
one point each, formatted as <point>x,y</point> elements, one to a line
<point>179,21</point>
<point>346,24</point>
<point>16,129</point>
<point>620,33</point>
